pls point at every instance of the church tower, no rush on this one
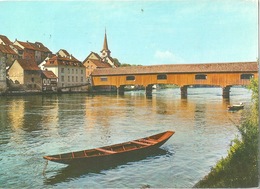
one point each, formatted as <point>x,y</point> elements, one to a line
<point>105,52</point>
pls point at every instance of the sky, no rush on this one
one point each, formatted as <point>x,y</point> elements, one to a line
<point>141,32</point>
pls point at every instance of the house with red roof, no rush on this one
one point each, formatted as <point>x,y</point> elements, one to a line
<point>4,40</point>
<point>28,50</point>
<point>6,51</point>
<point>69,70</point>
<point>33,51</point>
<point>92,62</point>
<point>26,74</point>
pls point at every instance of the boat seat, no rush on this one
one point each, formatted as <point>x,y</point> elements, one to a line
<point>106,151</point>
<point>141,143</point>
<point>149,141</point>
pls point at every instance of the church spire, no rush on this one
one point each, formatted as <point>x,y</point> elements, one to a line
<point>105,51</point>
<point>105,46</point>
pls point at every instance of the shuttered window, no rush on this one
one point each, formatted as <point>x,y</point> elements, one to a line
<point>246,76</point>
<point>161,77</point>
<point>200,76</point>
<point>130,78</point>
<point>103,79</point>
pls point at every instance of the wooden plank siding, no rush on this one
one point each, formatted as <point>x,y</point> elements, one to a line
<point>228,74</point>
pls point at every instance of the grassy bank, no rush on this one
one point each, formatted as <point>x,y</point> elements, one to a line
<point>240,167</point>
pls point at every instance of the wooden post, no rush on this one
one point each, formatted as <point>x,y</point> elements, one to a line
<point>226,91</point>
<point>184,91</point>
<point>148,90</point>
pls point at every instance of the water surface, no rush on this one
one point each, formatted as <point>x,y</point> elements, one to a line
<point>34,126</point>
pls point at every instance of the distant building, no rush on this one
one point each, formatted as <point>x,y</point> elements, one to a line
<point>41,52</point>
<point>28,52</point>
<point>7,56</point>
<point>25,75</point>
<point>7,51</point>
<point>32,51</point>
<point>104,60</point>
<point>94,61</point>
<point>49,81</point>
<point>69,70</point>
<point>4,40</point>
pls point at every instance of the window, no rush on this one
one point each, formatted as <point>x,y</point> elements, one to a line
<point>200,76</point>
<point>62,70</point>
<point>72,78</point>
<point>32,79</point>
<point>81,79</point>
<point>130,78</point>
<point>62,78</point>
<point>68,78</point>
<point>161,77</point>
<point>246,76</point>
<point>81,71</point>
<point>68,70</point>
<point>103,79</point>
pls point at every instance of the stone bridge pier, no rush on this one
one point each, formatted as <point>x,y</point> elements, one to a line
<point>148,90</point>
<point>226,91</point>
<point>184,91</point>
<point>120,89</point>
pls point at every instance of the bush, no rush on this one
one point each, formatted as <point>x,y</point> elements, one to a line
<point>240,167</point>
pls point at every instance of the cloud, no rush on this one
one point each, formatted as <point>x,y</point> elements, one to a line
<point>167,57</point>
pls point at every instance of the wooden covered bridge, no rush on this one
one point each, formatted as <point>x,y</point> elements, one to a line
<point>224,75</point>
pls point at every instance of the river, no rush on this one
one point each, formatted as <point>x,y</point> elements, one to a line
<point>36,125</point>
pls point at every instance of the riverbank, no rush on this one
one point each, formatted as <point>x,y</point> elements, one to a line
<point>240,167</point>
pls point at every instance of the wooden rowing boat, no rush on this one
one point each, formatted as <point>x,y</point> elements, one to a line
<point>113,153</point>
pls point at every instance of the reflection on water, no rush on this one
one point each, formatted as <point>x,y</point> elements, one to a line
<point>34,126</point>
<point>73,172</point>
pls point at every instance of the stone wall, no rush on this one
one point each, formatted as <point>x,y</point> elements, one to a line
<point>2,74</point>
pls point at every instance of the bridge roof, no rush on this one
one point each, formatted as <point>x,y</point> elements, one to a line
<point>180,68</point>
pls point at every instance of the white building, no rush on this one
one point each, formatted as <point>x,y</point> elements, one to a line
<point>71,72</point>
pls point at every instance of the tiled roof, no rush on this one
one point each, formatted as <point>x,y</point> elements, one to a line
<point>42,47</point>
<point>67,55</point>
<point>49,74</point>
<point>100,64</point>
<point>6,49</point>
<point>65,52</point>
<point>5,40</point>
<point>28,65</point>
<point>180,68</point>
<point>26,45</point>
<point>37,46</point>
<point>90,55</point>
<point>57,60</point>
<point>16,47</point>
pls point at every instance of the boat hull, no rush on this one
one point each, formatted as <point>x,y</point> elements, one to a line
<point>116,157</point>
